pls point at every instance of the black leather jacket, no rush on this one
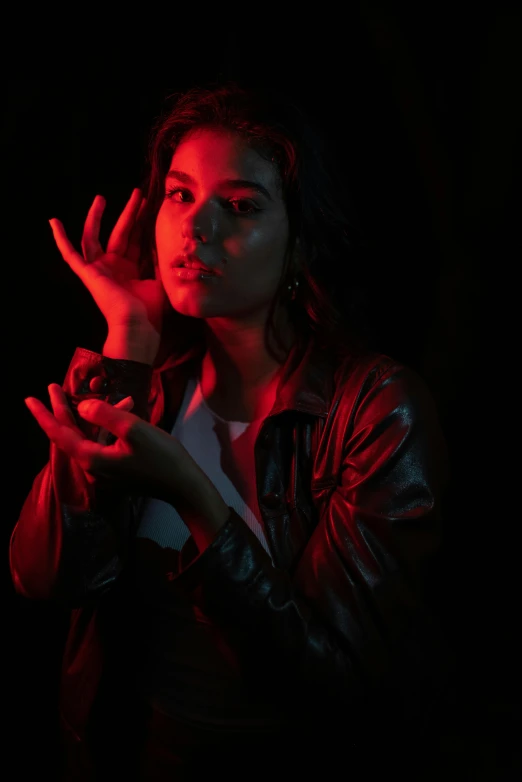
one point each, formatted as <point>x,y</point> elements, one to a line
<point>350,468</point>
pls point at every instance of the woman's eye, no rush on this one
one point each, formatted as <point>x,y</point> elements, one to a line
<point>242,206</point>
<point>178,194</point>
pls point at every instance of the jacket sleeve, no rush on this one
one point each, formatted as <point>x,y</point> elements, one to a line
<point>70,541</point>
<point>350,621</point>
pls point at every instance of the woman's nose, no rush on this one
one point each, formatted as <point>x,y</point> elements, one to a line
<point>200,224</point>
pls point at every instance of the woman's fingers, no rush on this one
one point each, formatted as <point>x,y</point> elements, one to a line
<point>123,404</point>
<point>64,414</point>
<point>68,253</point>
<point>60,426</point>
<point>134,242</point>
<point>65,437</point>
<point>91,246</point>
<point>119,238</point>
<point>59,403</point>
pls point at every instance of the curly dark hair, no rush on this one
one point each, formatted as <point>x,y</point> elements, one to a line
<point>320,211</point>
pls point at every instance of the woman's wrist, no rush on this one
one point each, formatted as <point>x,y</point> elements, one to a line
<point>140,345</point>
<point>204,516</point>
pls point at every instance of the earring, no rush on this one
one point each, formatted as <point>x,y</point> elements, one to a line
<point>293,288</point>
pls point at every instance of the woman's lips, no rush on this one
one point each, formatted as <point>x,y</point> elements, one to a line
<point>193,262</point>
<point>193,274</point>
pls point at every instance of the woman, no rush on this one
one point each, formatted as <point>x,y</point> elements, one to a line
<point>244,517</point>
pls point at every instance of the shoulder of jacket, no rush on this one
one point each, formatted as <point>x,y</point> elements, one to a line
<point>370,366</point>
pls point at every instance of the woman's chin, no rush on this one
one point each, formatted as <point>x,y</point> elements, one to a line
<point>190,309</point>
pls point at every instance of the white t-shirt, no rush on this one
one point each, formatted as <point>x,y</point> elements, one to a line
<point>225,452</point>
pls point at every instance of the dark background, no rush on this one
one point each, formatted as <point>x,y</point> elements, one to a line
<point>425,107</point>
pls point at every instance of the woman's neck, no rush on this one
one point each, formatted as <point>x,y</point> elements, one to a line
<point>237,375</point>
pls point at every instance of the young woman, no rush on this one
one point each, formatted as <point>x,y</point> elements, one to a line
<point>242,500</point>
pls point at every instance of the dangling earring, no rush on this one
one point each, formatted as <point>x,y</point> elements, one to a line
<point>293,288</point>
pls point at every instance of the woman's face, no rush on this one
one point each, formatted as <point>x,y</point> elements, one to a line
<point>223,205</point>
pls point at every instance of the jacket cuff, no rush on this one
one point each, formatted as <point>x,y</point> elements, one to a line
<point>232,561</point>
<point>93,376</point>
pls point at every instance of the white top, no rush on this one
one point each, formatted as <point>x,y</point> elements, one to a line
<point>225,452</point>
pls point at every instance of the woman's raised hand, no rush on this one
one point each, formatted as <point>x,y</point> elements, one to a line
<point>112,275</point>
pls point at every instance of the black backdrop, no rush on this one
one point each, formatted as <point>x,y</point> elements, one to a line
<point>425,105</point>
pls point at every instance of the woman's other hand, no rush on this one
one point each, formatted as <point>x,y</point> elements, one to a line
<point>129,305</point>
<point>144,459</point>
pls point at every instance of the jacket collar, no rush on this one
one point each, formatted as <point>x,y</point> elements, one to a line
<point>306,382</point>
<point>305,385</point>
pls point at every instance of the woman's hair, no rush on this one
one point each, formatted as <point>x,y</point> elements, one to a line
<point>329,302</point>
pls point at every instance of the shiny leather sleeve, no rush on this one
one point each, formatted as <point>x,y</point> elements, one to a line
<point>350,620</point>
<point>72,533</point>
